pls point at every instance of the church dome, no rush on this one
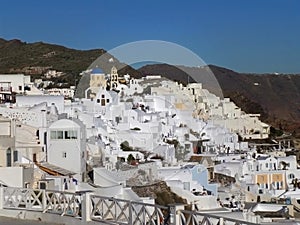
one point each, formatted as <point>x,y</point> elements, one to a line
<point>97,71</point>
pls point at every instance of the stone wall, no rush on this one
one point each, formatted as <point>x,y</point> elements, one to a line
<point>160,192</point>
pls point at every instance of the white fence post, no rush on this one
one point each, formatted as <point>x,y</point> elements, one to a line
<point>1,197</point>
<point>86,207</point>
<point>44,201</point>
<point>130,219</point>
<point>221,221</point>
<point>174,216</point>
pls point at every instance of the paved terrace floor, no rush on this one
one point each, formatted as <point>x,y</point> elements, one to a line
<point>19,217</point>
<point>13,221</point>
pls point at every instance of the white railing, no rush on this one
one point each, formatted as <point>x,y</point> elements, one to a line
<point>86,206</point>
<point>196,218</point>
<point>62,203</point>
<point>127,212</point>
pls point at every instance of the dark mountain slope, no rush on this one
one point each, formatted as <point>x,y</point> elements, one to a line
<point>36,58</point>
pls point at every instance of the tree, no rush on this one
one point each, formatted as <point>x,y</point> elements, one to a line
<point>284,165</point>
<point>125,146</point>
<point>130,158</point>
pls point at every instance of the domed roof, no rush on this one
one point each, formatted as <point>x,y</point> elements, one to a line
<point>97,71</point>
<point>64,123</point>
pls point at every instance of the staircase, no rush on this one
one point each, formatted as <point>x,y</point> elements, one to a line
<point>53,170</point>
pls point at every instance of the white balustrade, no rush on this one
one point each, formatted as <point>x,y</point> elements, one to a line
<point>89,207</point>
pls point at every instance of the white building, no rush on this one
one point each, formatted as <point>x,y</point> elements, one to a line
<point>225,113</point>
<point>8,154</point>
<point>97,80</point>
<point>33,100</point>
<point>14,82</point>
<point>66,92</point>
<point>66,146</point>
<point>191,183</point>
<point>53,73</point>
<point>114,78</point>
<point>21,177</point>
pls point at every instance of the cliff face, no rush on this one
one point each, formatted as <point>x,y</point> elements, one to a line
<point>160,192</point>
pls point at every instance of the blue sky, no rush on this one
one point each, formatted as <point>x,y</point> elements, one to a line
<point>246,36</point>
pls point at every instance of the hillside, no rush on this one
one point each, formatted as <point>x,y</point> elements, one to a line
<point>275,97</point>
<point>36,58</point>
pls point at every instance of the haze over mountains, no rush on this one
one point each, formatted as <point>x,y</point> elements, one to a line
<point>275,97</point>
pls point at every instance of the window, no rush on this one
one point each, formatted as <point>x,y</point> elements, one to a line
<point>107,100</point>
<point>20,88</point>
<point>57,134</point>
<point>64,155</point>
<point>67,135</point>
<point>98,100</point>
<point>186,185</point>
<point>43,185</point>
<point>8,157</point>
<point>267,165</point>
<point>102,96</point>
<point>53,134</point>
<point>15,156</point>
<point>291,176</point>
<point>71,134</point>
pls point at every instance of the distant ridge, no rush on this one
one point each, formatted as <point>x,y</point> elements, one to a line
<point>16,56</point>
